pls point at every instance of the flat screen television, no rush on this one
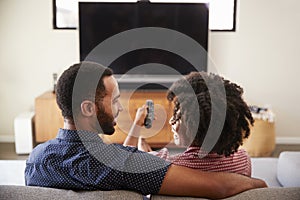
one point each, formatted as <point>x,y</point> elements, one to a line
<point>99,21</point>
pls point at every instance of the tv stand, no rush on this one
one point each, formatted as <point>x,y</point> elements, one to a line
<point>144,86</point>
<point>146,82</point>
<point>48,117</point>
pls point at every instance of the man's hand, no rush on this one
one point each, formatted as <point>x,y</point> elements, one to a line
<point>183,181</point>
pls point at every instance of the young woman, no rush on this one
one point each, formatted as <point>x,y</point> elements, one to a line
<point>210,119</point>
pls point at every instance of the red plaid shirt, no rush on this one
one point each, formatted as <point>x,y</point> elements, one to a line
<point>193,157</point>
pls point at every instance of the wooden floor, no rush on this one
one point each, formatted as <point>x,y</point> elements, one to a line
<point>7,151</point>
<point>285,147</point>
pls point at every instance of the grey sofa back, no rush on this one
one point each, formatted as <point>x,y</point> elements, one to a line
<point>8,192</point>
<point>255,194</point>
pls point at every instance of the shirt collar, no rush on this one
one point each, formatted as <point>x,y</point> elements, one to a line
<point>200,152</point>
<point>78,135</point>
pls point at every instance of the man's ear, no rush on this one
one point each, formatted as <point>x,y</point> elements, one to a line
<point>88,108</point>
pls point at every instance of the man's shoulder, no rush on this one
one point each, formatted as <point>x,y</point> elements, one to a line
<point>41,150</point>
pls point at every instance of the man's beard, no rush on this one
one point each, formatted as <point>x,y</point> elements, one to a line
<point>106,121</point>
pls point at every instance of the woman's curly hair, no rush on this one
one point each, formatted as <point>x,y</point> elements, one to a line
<point>196,92</point>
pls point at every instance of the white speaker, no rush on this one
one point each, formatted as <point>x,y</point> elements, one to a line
<point>23,126</point>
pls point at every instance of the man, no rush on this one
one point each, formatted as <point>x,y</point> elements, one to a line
<point>79,160</point>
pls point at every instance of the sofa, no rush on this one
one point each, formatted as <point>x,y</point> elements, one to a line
<point>279,173</point>
<point>8,192</point>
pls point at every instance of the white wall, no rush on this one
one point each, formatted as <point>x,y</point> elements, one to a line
<point>30,51</point>
<point>262,56</point>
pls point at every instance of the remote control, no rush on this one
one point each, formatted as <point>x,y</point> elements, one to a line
<point>150,114</point>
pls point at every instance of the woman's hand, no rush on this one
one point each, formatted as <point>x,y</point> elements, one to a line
<point>140,115</point>
<point>134,132</point>
<point>143,145</point>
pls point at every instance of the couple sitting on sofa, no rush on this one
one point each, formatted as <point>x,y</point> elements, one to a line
<point>78,159</point>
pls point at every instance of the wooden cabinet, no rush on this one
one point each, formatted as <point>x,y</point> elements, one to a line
<point>261,142</point>
<point>48,117</point>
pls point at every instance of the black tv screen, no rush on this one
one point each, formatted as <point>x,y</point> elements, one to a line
<point>99,21</point>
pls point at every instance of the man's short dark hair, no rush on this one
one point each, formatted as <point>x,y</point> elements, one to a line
<point>89,71</point>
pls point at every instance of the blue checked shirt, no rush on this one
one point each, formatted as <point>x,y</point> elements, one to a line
<point>79,160</point>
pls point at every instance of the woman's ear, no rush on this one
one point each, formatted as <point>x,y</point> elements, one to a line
<point>88,108</point>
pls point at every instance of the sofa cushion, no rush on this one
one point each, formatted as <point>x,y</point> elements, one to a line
<point>257,194</point>
<point>265,169</point>
<point>288,169</point>
<point>40,193</point>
